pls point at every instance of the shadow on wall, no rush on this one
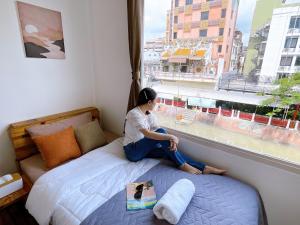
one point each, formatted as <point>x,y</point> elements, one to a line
<point>7,154</point>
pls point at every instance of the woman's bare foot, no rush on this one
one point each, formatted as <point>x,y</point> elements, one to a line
<point>190,169</point>
<point>210,169</point>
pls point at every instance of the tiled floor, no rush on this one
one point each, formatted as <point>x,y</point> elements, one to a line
<point>16,215</point>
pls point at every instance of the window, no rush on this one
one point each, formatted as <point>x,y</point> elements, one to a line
<point>286,61</point>
<point>291,42</point>
<point>218,71</point>
<point>188,2</point>
<point>204,15</point>
<point>262,48</point>
<point>175,35</point>
<point>282,75</point>
<point>203,33</point>
<point>220,48</point>
<point>221,31</point>
<point>175,19</point>
<point>183,69</point>
<point>223,13</point>
<point>297,63</point>
<point>295,22</point>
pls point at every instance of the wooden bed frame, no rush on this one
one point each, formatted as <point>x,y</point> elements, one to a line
<point>23,145</point>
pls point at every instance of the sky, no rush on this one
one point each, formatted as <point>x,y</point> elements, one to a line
<point>156,11</point>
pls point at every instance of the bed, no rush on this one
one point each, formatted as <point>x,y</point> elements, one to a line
<point>90,191</point>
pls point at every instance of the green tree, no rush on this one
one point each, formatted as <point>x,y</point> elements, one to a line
<point>286,94</point>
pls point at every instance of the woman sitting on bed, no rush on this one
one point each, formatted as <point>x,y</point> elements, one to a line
<point>144,138</point>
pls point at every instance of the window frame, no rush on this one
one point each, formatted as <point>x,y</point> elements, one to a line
<point>241,152</point>
<point>289,41</point>
<point>231,149</point>
<point>297,58</point>
<point>296,23</point>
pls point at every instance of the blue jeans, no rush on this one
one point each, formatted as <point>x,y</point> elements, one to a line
<point>150,148</point>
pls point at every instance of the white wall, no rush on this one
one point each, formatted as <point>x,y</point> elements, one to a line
<point>111,60</point>
<point>30,88</point>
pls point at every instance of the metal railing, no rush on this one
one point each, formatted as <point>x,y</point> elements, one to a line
<point>245,86</point>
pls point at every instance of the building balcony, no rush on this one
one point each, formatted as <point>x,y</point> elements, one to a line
<point>289,69</point>
<point>293,31</point>
<point>284,69</point>
<point>290,50</point>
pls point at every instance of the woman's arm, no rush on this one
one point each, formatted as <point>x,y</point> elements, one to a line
<point>156,136</point>
<point>161,137</point>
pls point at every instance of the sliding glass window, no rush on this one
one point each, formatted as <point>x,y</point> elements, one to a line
<point>227,77</point>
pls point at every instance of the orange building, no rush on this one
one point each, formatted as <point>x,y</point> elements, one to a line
<point>207,21</point>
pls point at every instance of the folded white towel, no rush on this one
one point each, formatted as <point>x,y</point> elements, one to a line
<point>174,202</point>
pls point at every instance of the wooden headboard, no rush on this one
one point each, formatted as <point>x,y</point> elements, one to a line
<point>22,143</point>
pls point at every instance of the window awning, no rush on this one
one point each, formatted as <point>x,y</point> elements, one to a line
<point>182,52</point>
<point>200,53</point>
<point>165,55</point>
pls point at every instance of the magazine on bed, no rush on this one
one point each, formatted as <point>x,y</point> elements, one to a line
<point>140,196</point>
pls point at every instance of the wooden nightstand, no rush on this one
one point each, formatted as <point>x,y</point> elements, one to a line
<point>18,195</point>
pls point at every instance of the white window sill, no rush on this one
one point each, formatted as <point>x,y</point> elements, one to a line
<point>265,159</point>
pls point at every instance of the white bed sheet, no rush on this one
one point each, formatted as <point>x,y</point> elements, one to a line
<point>69,193</point>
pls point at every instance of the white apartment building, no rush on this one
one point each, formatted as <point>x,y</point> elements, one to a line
<point>282,53</point>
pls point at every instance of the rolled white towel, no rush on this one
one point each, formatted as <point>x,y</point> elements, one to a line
<point>174,202</point>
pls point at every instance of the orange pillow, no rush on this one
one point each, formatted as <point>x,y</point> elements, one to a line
<point>58,147</point>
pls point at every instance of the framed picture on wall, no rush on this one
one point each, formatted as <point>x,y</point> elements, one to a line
<point>42,31</point>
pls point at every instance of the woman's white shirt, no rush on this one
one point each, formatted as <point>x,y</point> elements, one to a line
<point>136,120</point>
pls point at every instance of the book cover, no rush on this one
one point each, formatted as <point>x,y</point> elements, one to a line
<point>140,196</point>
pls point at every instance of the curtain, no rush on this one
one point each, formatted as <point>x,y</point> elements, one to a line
<point>135,14</point>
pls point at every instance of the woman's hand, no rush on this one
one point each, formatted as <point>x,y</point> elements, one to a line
<point>173,142</point>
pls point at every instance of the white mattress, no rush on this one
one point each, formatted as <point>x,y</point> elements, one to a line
<point>69,193</point>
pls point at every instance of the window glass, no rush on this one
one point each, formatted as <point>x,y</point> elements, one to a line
<point>221,31</point>
<point>188,2</point>
<point>297,63</point>
<point>203,33</point>
<point>220,48</point>
<point>291,42</point>
<point>286,61</point>
<point>223,13</point>
<point>176,19</point>
<point>204,15</point>
<point>216,79</point>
